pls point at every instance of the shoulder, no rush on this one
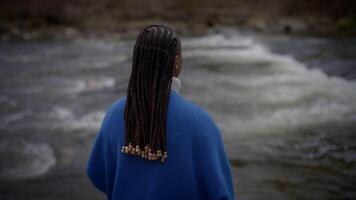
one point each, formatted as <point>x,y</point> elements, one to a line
<point>192,107</point>
<point>208,133</point>
<point>117,105</point>
<point>203,122</point>
<point>113,111</point>
<point>202,114</point>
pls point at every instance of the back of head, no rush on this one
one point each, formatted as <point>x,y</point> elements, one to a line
<point>148,92</point>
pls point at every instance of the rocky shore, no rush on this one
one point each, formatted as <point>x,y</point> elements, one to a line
<point>41,19</point>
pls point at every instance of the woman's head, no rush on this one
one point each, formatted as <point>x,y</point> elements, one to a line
<point>156,59</point>
<point>160,36</point>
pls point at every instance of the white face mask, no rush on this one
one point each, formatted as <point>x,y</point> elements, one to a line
<point>176,84</point>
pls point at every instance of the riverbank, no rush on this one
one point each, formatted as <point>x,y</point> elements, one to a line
<point>129,30</point>
<point>42,19</point>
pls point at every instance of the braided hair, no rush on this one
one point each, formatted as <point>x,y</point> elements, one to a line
<point>148,93</point>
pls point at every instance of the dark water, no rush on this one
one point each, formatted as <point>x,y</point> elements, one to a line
<point>287,112</point>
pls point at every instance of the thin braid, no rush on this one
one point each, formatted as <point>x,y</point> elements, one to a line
<point>146,82</point>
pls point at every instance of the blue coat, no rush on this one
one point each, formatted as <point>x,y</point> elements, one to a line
<point>197,166</point>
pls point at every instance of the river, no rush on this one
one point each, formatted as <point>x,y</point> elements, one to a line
<point>286,106</point>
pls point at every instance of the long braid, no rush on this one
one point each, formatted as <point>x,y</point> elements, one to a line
<point>148,93</point>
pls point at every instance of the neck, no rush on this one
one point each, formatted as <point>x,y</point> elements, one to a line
<point>176,84</point>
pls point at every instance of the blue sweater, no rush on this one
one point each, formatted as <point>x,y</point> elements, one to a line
<point>196,168</point>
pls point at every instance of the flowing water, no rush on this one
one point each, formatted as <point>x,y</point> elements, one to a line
<point>288,127</point>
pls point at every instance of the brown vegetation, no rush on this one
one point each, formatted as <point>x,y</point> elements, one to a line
<point>123,15</point>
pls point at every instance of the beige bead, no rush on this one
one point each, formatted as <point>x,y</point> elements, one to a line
<point>159,153</point>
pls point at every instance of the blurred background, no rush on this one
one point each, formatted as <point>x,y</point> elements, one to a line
<point>278,76</point>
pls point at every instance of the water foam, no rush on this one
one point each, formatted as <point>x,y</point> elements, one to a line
<point>60,117</point>
<point>23,160</point>
<point>91,84</point>
<point>262,91</point>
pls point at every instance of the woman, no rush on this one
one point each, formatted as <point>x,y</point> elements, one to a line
<point>153,143</point>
